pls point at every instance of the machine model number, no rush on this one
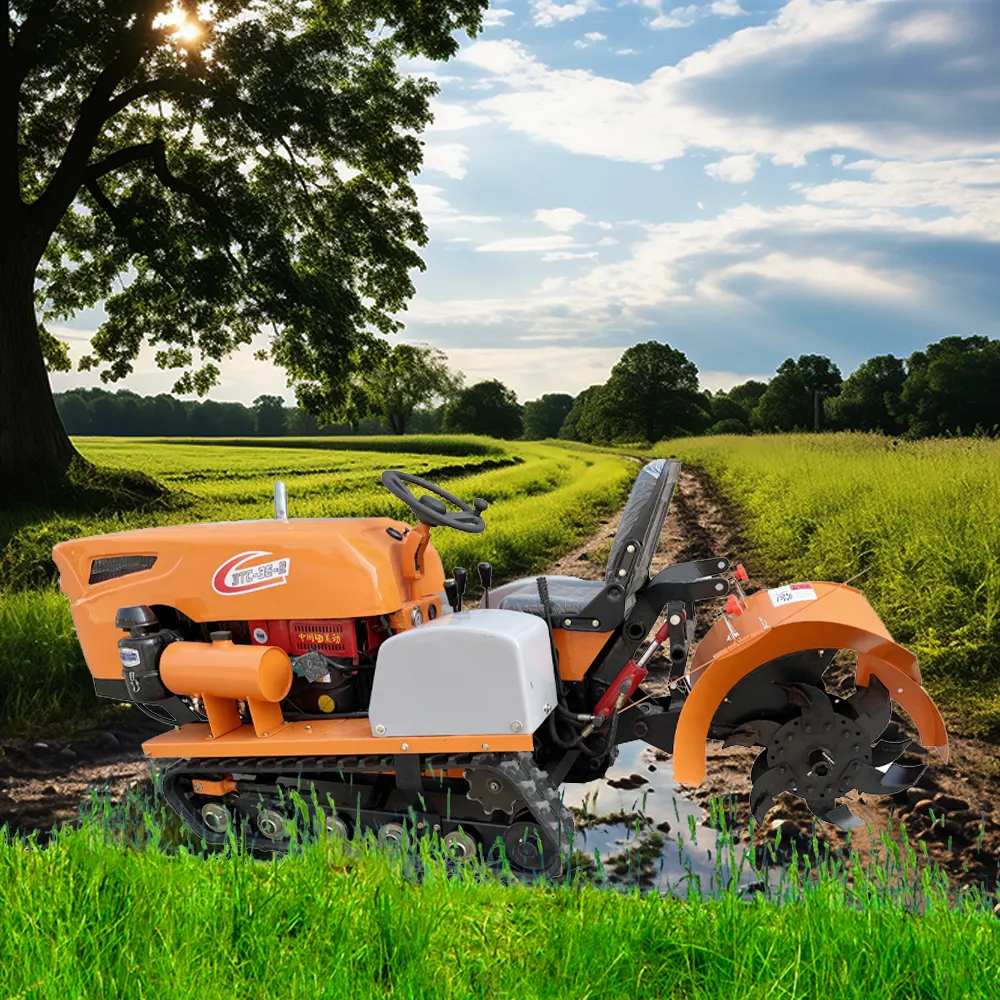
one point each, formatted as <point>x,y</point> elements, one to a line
<point>234,576</point>
<point>793,592</point>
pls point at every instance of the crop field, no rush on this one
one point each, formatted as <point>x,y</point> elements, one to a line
<point>919,520</point>
<point>543,498</point>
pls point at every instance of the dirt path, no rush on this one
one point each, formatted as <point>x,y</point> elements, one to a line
<point>42,785</point>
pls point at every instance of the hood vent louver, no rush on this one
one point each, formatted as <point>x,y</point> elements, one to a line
<point>102,570</point>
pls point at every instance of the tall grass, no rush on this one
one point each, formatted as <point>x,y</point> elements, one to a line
<point>97,915</point>
<point>919,519</point>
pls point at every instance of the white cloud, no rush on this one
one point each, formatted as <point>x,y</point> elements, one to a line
<point>436,211</point>
<point>933,27</point>
<point>837,159</point>
<point>495,16</point>
<point>684,17</point>
<point>526,244</point>
<point>590,38</point>
<point>607,241</point>
<point>824,276</point>
<point>560,219</point>
<point>700,205</point>
<point>453,117</point>
<point>626,52</point>
<point>548,13</point>
<point>568,255</point>
<point>679,106</point>
<point>447,158</point>
<point>734,169</point>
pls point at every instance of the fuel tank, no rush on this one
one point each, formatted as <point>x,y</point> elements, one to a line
<point>303,568</point>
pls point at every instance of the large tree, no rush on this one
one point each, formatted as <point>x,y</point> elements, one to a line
<point>789,401</point>
<point>951,388</point>
<point>544,417</point>
<point>869,398</point>
<point>653,394</point>
<point>405,378</point>
<point>206,179</point>
<point>489,408</point>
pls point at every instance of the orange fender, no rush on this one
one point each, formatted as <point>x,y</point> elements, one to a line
<point>839,617</point>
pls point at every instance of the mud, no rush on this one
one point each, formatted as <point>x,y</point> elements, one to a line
<point>950,816</point>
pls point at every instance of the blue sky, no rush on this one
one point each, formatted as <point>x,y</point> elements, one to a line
<point>746,181</point>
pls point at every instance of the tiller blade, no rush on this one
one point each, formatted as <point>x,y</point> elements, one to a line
<point>826,752</point>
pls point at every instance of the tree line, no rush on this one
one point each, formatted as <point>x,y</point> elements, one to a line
<point>652,393</point>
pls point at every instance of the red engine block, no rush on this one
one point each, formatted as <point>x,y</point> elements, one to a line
<point>335,637</point>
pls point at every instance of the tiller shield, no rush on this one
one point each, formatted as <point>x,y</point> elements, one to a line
<point>756,679</point>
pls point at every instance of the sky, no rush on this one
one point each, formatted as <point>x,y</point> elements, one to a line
<point>745,180</point>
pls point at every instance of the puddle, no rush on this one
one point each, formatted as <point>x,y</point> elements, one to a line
<point>691,850</point>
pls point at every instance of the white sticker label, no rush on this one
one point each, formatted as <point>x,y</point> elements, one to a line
<point>792,593</point>
<point>242,574</point>
<point>128,656</point>
<point>259,636</point>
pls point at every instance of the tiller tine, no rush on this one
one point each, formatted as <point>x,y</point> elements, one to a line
<point>873,707</point>
<point>752,734</point>
<point>896,778</point>
<point>840,816</point>
<point>886,751</point>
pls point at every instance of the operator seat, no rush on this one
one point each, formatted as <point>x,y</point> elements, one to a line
<point>641,524</point>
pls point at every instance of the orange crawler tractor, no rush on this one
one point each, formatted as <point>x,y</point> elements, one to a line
<point>332,656</point>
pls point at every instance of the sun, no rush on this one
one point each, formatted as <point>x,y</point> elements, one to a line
<point>184,29</point>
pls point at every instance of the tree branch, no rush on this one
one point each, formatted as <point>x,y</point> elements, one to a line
<point>68,177</point>
<point>156,153</point>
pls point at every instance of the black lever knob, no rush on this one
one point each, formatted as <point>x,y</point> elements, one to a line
<point>461,576</point>
<point>452,592</point>
<point>485,578</point>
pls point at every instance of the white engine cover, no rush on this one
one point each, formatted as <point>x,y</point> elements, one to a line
<point>483,672</point>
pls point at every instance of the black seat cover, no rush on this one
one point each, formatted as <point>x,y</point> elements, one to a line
<point>641,524</point>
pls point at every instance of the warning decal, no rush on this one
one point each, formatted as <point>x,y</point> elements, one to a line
<point>792,593</point>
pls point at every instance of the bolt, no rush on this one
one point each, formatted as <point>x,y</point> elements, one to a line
<point>783,769</point>
<point>827,726</point>
<point>630,549</point>
<point>781,749</point>
<point>846,735</point>
<point>437,827</point>
<point>567,622</point>
<point>380,730</point>
<point>675,619</point>
<point>515,726</point>
<point>899,690</point>
<point>486,746</point>
<point>266,734</point>
<point>857,748</point>
<point>622,572</point>
<point>791,736</point>
<point>308,729</point>
<point>720,586</point>
<point>197,786</point>
<point>493,785</point>
<point>420,825</point>
<point>404,746</point>
<point>596,623</point>
<point>809,729</point>
<point>794,787</point>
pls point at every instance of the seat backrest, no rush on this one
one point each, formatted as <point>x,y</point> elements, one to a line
<point>641,524</point>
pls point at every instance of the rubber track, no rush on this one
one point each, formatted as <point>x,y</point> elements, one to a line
<point>539,797</point>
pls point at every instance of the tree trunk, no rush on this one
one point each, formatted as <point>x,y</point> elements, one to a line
<point>35,449</point>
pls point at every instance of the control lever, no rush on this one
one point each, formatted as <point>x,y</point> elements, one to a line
<point>452,592</point>
<point>461,576</point>
<point>485,578</point>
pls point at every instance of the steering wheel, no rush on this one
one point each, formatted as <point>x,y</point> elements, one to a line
<point>431,511</point>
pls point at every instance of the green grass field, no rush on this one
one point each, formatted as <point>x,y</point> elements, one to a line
<point>920,520</point>
<point>544,497</point>
<point>116,908</point>
<point>93,916</point>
